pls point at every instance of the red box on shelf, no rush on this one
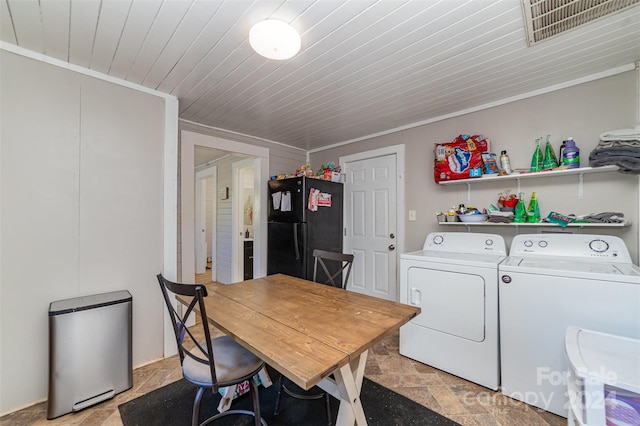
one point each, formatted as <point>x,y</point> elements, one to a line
<point>455,159</point>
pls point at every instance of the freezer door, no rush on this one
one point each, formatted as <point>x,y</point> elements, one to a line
<point>287,200</point>
<point>286,252</point>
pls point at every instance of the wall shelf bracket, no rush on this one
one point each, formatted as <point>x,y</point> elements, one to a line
<point>580,186</point>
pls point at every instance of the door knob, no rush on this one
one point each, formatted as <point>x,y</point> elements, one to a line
<point>392,236</point>
<point>391,247</point>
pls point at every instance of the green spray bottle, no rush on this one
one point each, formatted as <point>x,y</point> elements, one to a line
<point>536,160</point>
<point>520,214</point>
<point>533,212</point>
<point>550,160</point>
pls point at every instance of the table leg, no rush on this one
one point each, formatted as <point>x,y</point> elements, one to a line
<point>349,382</point>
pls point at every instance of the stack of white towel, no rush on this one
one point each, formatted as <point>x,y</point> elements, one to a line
<point>620,148</point>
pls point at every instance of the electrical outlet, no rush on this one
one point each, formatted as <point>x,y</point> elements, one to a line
<point>412,215</point>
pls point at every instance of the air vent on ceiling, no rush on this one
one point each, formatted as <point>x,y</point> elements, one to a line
<point>547,18</point>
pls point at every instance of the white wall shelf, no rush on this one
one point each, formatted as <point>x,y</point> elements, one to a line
<point>540,224</point>
<point>545,174</point>
<point>549,173</point>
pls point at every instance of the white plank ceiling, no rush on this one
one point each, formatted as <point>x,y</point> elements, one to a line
<point>365,66</point>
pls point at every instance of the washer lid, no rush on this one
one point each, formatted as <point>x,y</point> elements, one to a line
<point>572,267</point>
<point>466,259</point>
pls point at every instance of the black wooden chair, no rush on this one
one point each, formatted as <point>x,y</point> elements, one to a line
<point>342,266</point>
<point>212,363</point>
<point>342,261</point>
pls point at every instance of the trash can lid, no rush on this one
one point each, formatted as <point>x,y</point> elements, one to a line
<point>88,302</point>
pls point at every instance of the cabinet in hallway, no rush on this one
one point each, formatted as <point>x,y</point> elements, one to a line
<point>248,259</point>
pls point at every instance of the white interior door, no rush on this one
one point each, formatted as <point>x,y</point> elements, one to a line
<point>201,216</point>
<point>205,229</point>
<point>371,224</point>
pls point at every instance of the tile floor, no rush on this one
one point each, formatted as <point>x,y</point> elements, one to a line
<point>462,401</point>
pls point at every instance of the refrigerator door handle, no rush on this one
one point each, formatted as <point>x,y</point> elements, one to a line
<point>295,240</point>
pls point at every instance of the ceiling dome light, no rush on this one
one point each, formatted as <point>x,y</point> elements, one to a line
<point>274,39</point>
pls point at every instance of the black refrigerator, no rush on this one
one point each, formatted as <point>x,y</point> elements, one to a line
<point>298,225</point>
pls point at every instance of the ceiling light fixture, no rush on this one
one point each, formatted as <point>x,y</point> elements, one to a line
<point>274,39</point>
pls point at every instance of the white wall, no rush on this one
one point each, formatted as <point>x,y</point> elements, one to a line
<point>81,213</point>
<point>583,111</point>
<point>225,219</point>
<point>282,158</point>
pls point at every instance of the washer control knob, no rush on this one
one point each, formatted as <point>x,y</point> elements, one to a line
<point>438,239</point>
<point>599,246</point>
<point>528,243</point>
<point>489,242</point>
<point>543,243</point>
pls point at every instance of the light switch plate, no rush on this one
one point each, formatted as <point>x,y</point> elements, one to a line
<point>412,215</point>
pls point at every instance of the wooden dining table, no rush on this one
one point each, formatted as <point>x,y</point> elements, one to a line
<point>307,331</point>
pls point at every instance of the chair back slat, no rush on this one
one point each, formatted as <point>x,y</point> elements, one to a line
<point>335,279</point>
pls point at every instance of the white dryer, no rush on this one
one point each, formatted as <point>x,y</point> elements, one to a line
<point>548,283</point>
<point>454,280</point>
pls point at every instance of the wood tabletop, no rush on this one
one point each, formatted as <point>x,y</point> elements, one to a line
<point>302,329</point>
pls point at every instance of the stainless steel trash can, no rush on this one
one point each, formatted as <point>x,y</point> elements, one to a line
<point>89,350</point>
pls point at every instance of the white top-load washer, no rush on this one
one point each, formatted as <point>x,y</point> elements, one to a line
<point>548,283</point>
<point>454,280</point>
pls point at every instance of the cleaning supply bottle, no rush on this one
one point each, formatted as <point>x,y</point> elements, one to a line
<point>533,211</point>
<point>561,152</point>
<point>536,160</point>
<point>571,154</point>
<point>520,214</point>
<point>550,159</point>
<point>505,163</point>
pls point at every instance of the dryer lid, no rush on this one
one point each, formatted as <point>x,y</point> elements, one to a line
<point>467,259</point>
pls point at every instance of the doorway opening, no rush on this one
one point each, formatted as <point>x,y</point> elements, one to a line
<point>226,242</point>
<point>243,184</point>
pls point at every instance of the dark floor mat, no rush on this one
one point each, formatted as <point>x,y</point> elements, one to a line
<point>172,404</point>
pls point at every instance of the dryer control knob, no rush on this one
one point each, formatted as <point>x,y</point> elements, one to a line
<point>438,239</point>
<point>543,243</point>
<point>489,242</point>
<point>528,243</point>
